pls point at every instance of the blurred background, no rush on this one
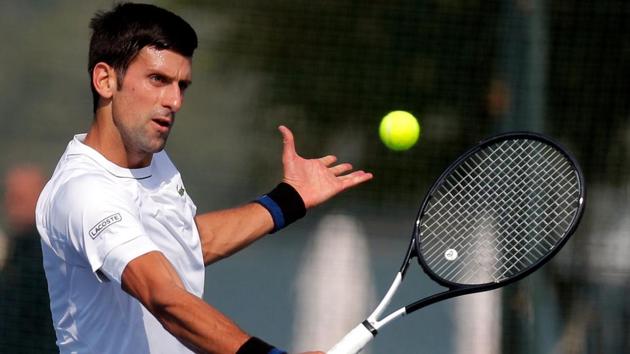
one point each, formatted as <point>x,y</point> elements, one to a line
<point>330,70</point>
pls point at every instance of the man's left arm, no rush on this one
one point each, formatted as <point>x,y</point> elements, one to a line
<point>225,232</point>
<point>306,184</point>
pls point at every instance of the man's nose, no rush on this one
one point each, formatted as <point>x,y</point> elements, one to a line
<point>173,98</point>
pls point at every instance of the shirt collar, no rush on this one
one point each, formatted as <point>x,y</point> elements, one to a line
<point>78,147</point>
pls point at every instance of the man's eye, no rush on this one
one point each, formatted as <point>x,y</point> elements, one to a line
<point>158,79</point>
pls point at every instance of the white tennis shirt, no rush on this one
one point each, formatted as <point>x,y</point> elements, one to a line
<point>94,217</point>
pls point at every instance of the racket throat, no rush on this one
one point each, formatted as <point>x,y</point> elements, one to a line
<point>386,299</point>
<point>373,320</point>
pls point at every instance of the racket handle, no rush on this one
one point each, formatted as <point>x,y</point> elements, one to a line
<point>353,342</point>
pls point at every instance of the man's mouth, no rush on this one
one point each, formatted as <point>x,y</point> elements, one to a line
<point>163,122</point>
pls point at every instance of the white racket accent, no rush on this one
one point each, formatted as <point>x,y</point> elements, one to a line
<point>353,342</point>
<point>384,303</point>
<point>360,336</point>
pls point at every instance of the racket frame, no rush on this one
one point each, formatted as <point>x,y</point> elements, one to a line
<point>455,289</point>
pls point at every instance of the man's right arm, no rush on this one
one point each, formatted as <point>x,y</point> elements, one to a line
<point>152,280</point>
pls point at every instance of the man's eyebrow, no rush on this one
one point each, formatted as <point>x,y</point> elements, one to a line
<point>171,78</point>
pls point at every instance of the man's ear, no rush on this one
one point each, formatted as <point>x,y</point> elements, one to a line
<point>104,80</point>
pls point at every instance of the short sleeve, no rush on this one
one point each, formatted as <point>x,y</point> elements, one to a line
<point>115,262</point>
<point>105,226</point>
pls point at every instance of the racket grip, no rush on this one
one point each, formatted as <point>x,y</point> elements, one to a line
<point>353,342</point>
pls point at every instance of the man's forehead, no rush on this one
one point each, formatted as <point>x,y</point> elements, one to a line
<point>164,59</point>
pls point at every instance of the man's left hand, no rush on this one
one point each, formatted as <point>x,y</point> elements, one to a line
<point>317,180</point>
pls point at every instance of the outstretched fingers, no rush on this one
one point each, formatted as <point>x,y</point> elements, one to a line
<point>316,180</point>
<point>354,178</point>
<point>340,169</point>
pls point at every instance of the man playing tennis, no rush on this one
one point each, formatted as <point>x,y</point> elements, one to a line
<point>124,250</point>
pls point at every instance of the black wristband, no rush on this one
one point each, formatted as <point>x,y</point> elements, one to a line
<point>284,204</point>
<point>257,346</point>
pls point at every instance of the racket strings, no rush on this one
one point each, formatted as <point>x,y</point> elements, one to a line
<point>499,212</point>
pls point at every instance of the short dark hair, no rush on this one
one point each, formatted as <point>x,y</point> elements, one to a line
<point>119,35</point>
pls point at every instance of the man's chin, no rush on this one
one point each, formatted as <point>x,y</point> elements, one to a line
<point>159,147</point>
<point>153,148</point>
<point>159,144</point>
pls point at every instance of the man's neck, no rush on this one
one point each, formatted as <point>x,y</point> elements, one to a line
<point>106,139</point>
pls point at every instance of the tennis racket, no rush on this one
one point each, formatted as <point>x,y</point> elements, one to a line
<point>498,213</point>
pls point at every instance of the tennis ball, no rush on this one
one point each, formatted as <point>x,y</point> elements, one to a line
<point>399,130</point>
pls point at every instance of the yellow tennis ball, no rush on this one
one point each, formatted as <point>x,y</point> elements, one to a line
<point>399,130</point>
